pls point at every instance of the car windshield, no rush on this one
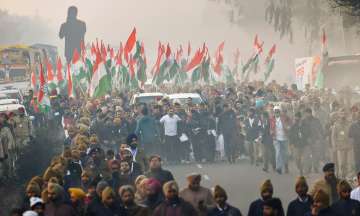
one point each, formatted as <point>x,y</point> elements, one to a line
<point>147,99</point>
<point>12,95</point>
<point>196,100</point>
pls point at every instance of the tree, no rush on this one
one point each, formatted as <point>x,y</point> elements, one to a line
<point>351,6</point>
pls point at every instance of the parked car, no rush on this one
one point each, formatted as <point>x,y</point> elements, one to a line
<point>183,98</point>
<point>146,98</point>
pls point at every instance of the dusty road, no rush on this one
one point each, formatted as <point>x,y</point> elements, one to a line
<point>241,181</point>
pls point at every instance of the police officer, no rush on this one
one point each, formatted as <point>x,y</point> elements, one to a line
<point>340,143</point>
<point>23,130</point>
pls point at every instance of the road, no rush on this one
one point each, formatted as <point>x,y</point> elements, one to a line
<point>241,181</point>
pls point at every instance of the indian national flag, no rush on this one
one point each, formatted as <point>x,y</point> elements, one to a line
<point>270,62</point>
<point>100,83</point>
<point>50,75</point>
<point>43,97</point>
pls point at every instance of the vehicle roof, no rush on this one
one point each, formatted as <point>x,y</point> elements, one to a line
<point>15,85</point>
<point>149,94</point>
<point>13,90</point>
<point>15,46</point>
<point>9,101</point>
<point>10,107</point>
<point>44,46</point>
<point>184,95</point>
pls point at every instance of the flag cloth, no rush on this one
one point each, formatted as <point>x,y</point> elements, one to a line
<point>130,44</point>
<point>168,51</point>
<point>50,75</point>
<point>320,79</point>
<point>155,70</point>
<point>100,83</point>
<point>33,81</point>
<point>196,60</point>
<point>59,72</point>
<point>189,49</point>
<point>219,59</point>
<point>196,74</point>
<point>269,63</point>
<point>141,72</point>
<point>43,97</point>
<point>69,81</point>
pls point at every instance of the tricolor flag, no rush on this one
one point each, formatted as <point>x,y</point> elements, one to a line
<point>219,59</point>
<point>270,62</point>
<point>100,82</point>
<point>43,97</point>
<point>319,82</point>
<point>130,43</point>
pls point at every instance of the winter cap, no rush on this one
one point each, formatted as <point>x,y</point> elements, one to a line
<point>37,180</point>
<point>101,186</point>
<point>86,121</point>
<point>193,177</point>
<point>153,184</point>
<point>35,200</point>
<point>126,188</point>
<point>33,188</point>
<point>75,154</point>
<point>301,180</point>
<point>86,173</point>
<point>343,185</point>
<point>94,139</point>
<point>77,193</point>
<point>139,179</point>
<point>219,192</point>
<point>266,186</point>
<point>30,213</point>
<point>117,121</point>
<point>154,156</point>
<point>170,185</point>
<point>56,188</point>
<point>130,138</point>
<point>329,167</point>
<point>106,193</point>
<point>322,196</point>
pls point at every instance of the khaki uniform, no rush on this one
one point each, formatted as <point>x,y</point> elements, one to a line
<point>8,141</point>
<point>341,146</point>
<point>23,131</point>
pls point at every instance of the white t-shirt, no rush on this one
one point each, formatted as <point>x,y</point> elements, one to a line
<point>170,124</point>
<point>355,194</point>
<point>280,133</point>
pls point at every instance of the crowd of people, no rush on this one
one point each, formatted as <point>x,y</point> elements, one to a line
<point>113,152</point>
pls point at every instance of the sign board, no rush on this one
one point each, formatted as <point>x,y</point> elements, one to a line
<point>304,71</point>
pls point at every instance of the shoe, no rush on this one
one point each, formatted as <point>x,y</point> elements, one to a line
<point>265,170</point>
<point>279,171</point>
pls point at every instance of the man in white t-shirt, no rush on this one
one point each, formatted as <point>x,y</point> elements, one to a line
<point>355,193</point>
<point>172,148</point>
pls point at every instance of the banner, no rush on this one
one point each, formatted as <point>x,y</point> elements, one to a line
<point>303,71</point>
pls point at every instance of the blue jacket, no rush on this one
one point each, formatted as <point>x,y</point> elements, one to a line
<point>146,129</point>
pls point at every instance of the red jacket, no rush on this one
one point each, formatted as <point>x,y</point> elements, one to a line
<point>286,122</point>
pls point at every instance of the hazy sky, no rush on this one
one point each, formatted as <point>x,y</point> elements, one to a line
<point>174,21</point>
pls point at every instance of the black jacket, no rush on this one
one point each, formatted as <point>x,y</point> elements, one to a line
<point>227,122</point>
<point>227,211</point>
<point>297,135</point>
<point>252,130</point>
<point>97,208</point>
<point>298,208</point>
<point>346,207</point>
<point>161,175</point>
